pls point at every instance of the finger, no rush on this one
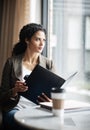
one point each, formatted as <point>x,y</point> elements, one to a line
<point>20,83</point>
<point>45,96</point>
<point>24,88</point>
<point>41,99</point>
<point>24,83</point>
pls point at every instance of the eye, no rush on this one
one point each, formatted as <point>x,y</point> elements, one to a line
<point>37,39</point>
<point>44,40</point>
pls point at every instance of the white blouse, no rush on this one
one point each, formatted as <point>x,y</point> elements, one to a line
<point>25,71</point>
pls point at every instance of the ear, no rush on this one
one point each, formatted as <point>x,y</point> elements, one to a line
<point>26,40</point>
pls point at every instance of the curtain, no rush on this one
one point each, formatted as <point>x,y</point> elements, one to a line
<point>14,16</point>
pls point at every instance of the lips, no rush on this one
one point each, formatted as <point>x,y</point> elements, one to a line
<point>40,48</point>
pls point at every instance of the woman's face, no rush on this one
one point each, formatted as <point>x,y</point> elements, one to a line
<point>37,42</point>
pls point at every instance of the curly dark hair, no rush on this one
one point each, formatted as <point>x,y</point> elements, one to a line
<point>27,31</point>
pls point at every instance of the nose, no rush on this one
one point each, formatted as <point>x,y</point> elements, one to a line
<point>42,42</point>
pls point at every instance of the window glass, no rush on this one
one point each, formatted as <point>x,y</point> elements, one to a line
<point>87,46</point>
<point>69,42</point>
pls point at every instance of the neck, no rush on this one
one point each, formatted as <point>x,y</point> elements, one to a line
<point>31,58</point>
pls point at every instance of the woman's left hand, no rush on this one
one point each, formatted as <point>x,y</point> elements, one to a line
<point>43,98</point>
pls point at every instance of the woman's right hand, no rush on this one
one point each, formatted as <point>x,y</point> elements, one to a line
<point>19,87</point>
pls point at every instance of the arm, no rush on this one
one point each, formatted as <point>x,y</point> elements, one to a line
<point>7,84</point>
<point>10,86</point>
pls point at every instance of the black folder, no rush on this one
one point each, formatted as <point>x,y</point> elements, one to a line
<point>41,81</point>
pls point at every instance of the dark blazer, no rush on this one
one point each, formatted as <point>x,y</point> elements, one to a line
<point>12,70</point>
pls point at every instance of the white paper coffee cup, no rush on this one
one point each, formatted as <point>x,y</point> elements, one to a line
<point>58,97</point>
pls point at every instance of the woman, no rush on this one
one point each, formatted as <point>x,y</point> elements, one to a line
<point>26,55</point>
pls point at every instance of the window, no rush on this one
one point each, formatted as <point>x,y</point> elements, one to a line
<point>69,38</point>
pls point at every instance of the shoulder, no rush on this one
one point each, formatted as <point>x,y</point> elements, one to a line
<point>47,63</point>
<point>45,58</point>
<point>8,61</point>
<point>16,60</point>
<point>11,61</point>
